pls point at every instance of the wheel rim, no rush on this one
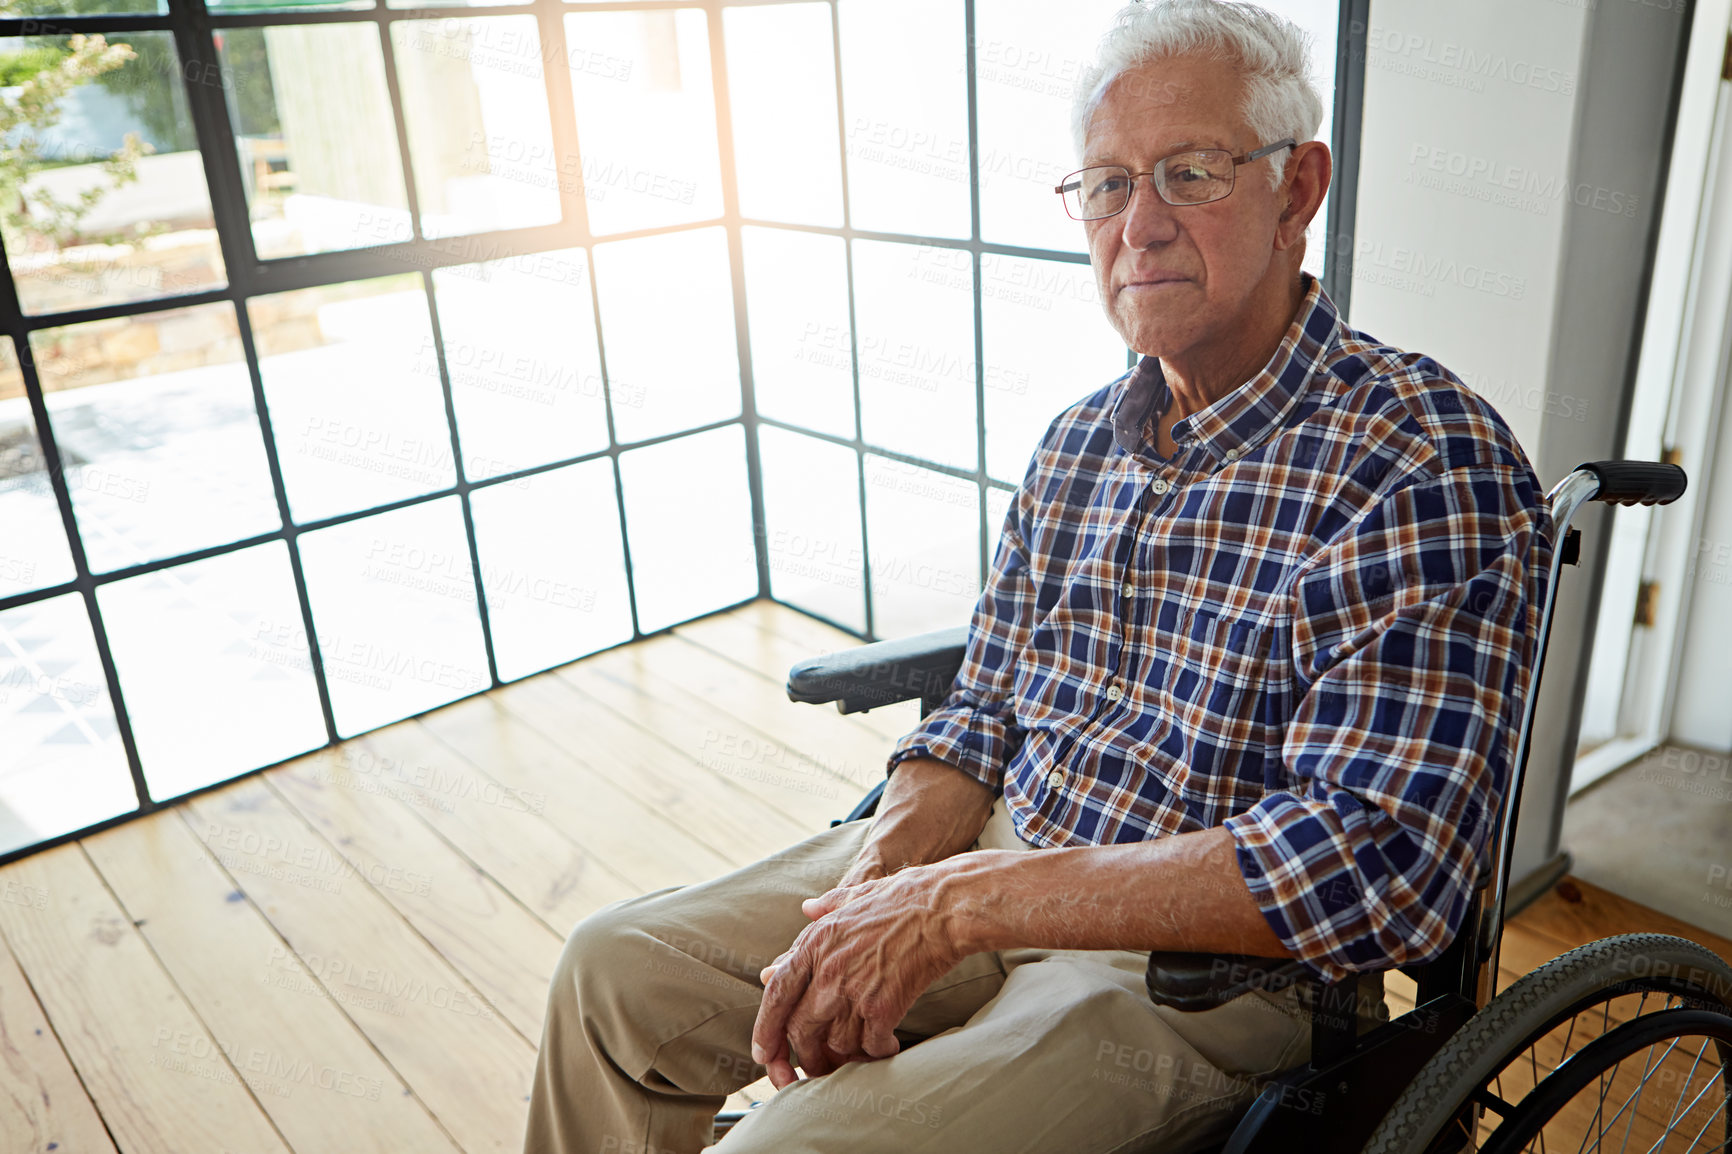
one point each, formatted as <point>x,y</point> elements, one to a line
<point>1638,1072</point>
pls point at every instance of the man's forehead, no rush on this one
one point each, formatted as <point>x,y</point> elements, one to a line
<point>1129,137</point>
<point>1168,105</point>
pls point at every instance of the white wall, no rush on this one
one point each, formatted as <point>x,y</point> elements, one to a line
<point>1460,217</point>
<point>1505,208</point>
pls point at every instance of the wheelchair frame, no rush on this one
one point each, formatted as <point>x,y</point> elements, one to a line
<point>1352,1079</point>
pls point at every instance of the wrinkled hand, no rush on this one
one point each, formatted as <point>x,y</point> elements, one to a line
<point>837,993</point>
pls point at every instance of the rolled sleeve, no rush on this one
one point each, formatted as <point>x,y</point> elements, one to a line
<point>1415,636</point>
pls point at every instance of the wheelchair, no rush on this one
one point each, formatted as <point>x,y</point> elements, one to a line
<point>1624,1040</point>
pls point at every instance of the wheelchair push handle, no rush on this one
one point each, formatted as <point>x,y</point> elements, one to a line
<point>1637,482</point>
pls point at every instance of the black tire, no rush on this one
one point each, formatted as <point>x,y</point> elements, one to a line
<point>1437,1112</point>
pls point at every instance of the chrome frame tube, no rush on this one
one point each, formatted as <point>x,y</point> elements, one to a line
<point>1564,499</point>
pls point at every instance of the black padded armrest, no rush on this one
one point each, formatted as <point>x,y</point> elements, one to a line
<point>883,673</point>
<point>1192,982</point>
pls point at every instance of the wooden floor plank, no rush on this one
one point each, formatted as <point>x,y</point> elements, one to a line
<point>506,833</point>
<point>739,734</point>
<point>160,1081</point>
<point>345,942</point>
<point>314,1073</point>
<point>43,1105</point>
<point>786,636</point>
<point>1576,912</point>
<point>770,655</point>
<point>717,812</point>
<point>464,845</point>
<point>803,741</point>
<point>598,810</point>
<point>500,947</point>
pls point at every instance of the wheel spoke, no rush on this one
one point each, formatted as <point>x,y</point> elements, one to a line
<point>1673,1115</point>
<point>1629,1125</point>
<point>1711,1117</point>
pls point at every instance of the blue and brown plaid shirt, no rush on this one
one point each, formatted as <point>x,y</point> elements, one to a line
<point>1313,625</point>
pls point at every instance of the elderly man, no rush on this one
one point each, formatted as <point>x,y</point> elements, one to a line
<point>1244,678</point>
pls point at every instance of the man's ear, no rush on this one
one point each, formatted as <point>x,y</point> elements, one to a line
<point>1307,184</point>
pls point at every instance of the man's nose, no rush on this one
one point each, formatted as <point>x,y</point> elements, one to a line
<point>1147,220</point>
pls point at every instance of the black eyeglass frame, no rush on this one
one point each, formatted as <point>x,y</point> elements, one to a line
<point>1070,182</point>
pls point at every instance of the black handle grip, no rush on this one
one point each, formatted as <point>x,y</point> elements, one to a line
<point>1637,482</point>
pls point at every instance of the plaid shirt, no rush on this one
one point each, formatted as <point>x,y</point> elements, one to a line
<point>1313,625</point>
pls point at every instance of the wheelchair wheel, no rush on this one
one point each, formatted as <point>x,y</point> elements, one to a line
<point>1623,1043</point>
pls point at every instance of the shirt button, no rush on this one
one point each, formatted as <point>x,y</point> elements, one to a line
<point>1232,454</point>
<point>1130,589</point>
<point>1055,779</point>
<point>1159,485</point>
<point>1114,692</point>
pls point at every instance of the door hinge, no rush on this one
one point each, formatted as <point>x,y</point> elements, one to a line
<point>1726,61</point>
<point>1647,602</point>
<point>1672,454</point>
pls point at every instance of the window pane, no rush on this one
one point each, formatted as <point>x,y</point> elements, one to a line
<point>1047,344</point>
<point>914,306</point>
<point>1027,61</point>
<point>394,607</point>
<point>213,664</point>
<point>1321,18</point>
<point>782,89</point>
<point>689,525</point>
<point>519,339</point>
<point>284,5</point>
<point>802,366</point>
<point>907,124</point>
<point>667,324</point>
<point>316,140</point>
<point>923,529</point>
<point>812,523</point>
<point>33,549</point>
<point>480,141</point>
<point>553,567</point>
<point>646,117</point>
<point>80,7</point>
<point>997,505</point>
<point>353,388</point>
<point>62,766</point>
<point>113,205</point>
<point>155,421</point>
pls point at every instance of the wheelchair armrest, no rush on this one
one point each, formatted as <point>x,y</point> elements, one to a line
<point>882,673</point>
<point>1193,982</point>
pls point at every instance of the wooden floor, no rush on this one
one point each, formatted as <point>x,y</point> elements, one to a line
<point>350,953</point>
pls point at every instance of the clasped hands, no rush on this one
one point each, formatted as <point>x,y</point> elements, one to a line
<point>875,943</point>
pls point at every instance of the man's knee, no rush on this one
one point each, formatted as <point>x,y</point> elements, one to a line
<point>599,952</point>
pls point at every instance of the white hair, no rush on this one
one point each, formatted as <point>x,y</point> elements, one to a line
<point>1272,53</point>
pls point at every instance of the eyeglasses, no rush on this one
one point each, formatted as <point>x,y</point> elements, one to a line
<point>1195,177</point>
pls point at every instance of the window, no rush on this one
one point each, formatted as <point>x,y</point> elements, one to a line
<point>361,357</point>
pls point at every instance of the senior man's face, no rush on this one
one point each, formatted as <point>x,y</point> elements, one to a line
<point>1178,279</point>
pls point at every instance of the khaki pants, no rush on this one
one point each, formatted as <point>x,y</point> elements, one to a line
<point>650,1016</point>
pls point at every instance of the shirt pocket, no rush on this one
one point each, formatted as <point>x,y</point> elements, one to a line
<point>1226,696</point>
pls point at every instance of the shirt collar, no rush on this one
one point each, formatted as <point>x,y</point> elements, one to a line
<point>1235,423</point>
